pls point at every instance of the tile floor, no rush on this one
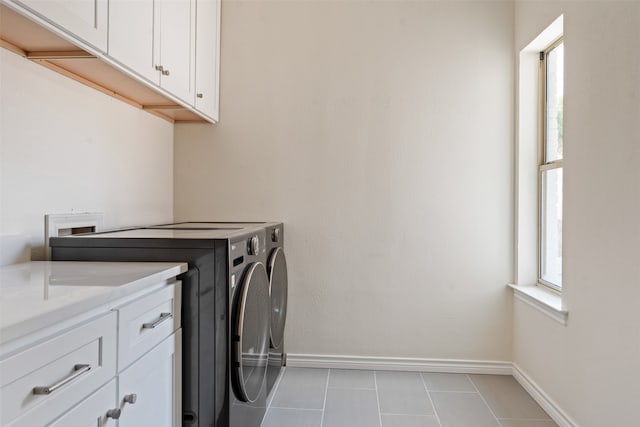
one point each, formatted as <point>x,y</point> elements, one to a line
<point>349,398</point>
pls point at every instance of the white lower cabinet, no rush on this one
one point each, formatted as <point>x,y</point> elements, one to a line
<point>39,384</point>
<point>150,389</point>
<point>120,369</point>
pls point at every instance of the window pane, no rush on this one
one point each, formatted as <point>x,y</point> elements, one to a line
<point>551,221</point>
<point>554,100</point>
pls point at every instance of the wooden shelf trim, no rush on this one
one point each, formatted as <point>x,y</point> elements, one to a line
<point>64,54</point>
<point>12,48</point>
<point>44,58</point>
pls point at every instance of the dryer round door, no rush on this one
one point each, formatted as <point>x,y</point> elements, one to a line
<point>278,287</point>
<point>251,333</point>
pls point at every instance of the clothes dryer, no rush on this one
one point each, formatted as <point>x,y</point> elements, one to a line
<point>278,292</point>
<point>276,264</point>
<point>226,311</point>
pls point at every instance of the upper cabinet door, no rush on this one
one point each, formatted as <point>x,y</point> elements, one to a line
<point>207,57</point>
<point>131,36</point>
<point>177,47</point>
<point>85,19</point>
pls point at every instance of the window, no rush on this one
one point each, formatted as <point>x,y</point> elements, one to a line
<point>550,167</point>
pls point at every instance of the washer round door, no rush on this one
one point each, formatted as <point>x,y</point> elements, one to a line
<point>278,287</point>
<point>251,333</point>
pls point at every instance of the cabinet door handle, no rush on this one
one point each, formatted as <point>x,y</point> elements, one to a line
<point>114,413</point>
<point>77,371</point>
<point>200,95</point>
<point>130,398</point>
<point>165,72</point>
<point>117,412</point>
<point>159,320</point>
<point>160,68</point>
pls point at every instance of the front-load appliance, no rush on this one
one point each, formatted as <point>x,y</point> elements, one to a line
<point>226,311</point>
<point>278,291</point>
<point>276,264</point>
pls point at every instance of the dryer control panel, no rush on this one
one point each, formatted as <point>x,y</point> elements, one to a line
<point>244,251</point>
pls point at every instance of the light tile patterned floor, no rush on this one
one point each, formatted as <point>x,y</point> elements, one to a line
<point>349,398</point>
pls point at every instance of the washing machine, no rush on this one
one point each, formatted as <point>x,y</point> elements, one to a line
<point>226,311</point>
<point>276,264</point>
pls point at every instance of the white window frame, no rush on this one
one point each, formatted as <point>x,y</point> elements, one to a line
<point>543,164</point>
<point>525,285</point>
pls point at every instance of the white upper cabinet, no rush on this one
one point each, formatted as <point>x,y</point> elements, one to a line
<point>207,57</point>
<point>159,55</point>
<point>156,39</point>
<point>177,47</point>
<point>84,19</point>
<point>131,36</point>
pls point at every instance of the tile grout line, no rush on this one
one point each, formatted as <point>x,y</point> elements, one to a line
<point>435,412</point>
<point>273,395</point>
<point>296,409</point>
<point>324,403</point>
<point>352,388</point>
<point>484,400</point>
<point>399,414</point>
<point>276,387</point>
<point>375,383</point>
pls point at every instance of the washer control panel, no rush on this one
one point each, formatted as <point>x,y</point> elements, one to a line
<point>243,251</point>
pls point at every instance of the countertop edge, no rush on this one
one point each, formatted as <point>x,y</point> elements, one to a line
<point>110,299</point>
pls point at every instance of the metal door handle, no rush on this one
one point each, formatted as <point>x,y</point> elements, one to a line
<point>78,370</point>
<point>114,413</point>
<point>162,318</point>
<point>199,95</point>
<point>165,72</point>
<point>130,398</point>
<point>159,68</point>
<point>117,412</point>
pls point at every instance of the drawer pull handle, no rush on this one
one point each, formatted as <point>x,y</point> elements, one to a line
<point>162,318</point>
<point>77,371</point>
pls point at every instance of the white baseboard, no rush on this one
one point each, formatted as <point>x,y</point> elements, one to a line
<point>399,364</point>
<point>550,407</point>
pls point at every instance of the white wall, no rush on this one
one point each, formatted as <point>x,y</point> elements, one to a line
<point>381,133</point>
<point>65,147</point>
<point>590,367</point>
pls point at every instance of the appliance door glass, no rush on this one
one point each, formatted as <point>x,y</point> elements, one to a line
<point>278,281</point>
<point>251,334</point>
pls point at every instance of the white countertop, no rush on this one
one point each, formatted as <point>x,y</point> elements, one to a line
<point>37,294</point>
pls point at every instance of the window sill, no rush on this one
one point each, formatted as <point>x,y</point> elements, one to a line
<point>542,300</point>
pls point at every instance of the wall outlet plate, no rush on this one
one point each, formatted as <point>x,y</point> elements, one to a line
<point>56,225</point>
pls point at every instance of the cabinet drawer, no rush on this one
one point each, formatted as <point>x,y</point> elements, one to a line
<point>50,377</point>
<point>145,322</point>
